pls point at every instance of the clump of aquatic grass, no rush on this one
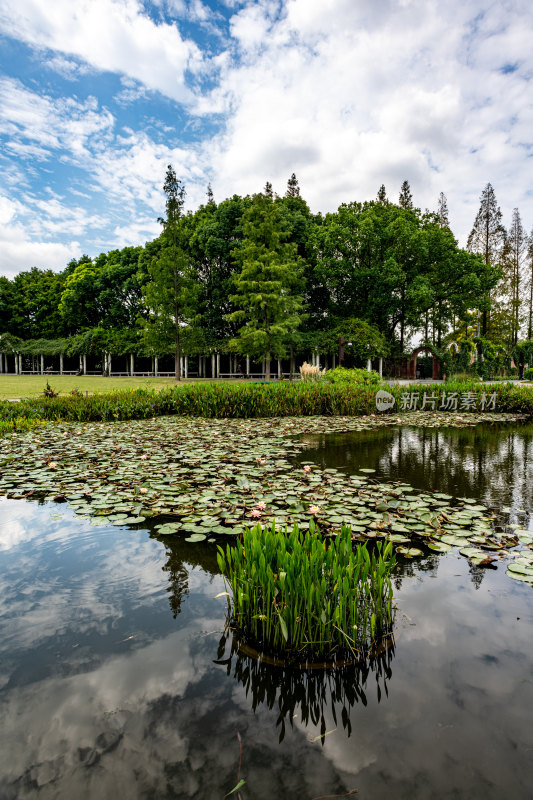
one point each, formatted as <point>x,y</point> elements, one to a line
<point>297,594</point>
<point>15,424</point>
<point>308,372</point>
<point>297,399</point>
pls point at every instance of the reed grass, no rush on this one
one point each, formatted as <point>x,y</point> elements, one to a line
<point>294,593</point>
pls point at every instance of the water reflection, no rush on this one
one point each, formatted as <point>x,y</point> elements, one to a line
<point>105,692</point>
<point>493,463</point>
<point>311,695</point>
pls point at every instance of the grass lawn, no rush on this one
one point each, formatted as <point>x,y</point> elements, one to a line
<point>15,386</point>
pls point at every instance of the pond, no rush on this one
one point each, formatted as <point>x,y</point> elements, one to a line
<point>117,680</point>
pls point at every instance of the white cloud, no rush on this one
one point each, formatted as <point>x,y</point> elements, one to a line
<point>110,35</point>
<point>43,123</point>
<point>348,95</point>
<point>352,95</point>
<point>21,253</point>
<point>67,67</point>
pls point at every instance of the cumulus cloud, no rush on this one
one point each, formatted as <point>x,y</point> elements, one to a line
<point>110,35</point>
<point>347,95</point>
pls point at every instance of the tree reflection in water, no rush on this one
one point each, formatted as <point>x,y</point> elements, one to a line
<point>306,693</point>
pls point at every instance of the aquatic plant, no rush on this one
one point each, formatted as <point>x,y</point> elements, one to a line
<point>296,593</point>
<point>249,400</point>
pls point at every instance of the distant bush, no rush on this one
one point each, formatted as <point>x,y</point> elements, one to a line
<point>528,374</point>
<point>464,377</point>
<point>361,377</point>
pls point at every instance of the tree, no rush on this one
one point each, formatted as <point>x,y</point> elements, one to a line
<point>487,238</point>
<point>382,194</point>
<point>210,195</point>
<point>442,211</point>
<point>267,285</point>
<point>530,286</point>
<point>268,191</point>
<point>405,199</point>
<point>514,252</point>
<point>171,294</point>
<point>293,189</point>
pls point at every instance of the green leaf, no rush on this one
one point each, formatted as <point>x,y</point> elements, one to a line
<point>236,789</point>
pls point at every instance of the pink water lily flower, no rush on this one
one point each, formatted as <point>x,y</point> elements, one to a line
<point>256,513</point>
<point>144,457</point>
<point>143,490</point>
<point>314,509</point>
<point>261,505</point>
<point>307,468</point>
<point>52,464</point>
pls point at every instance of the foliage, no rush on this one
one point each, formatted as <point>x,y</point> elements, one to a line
<point>487,238</point>
<point>13,424</point>
<point>295,592</point>
<point>381,264</point>
<point>362,377</point>
<point>171,295</point>
<point>248,400</point>
<point>267,284</point>
<point>528,374</point>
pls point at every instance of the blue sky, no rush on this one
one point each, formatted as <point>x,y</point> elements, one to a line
<point>98,96</point>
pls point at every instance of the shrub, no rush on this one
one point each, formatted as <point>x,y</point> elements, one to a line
<point>361,377</point>
<point>528,374</point>
<point>461,377</point>
<point>296,593</point>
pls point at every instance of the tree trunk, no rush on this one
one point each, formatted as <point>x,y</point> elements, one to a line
<point>177,364</point>
<point>267,366</point>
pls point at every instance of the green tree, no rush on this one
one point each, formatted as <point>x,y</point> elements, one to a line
<point>513,260</point>
<point>34,304</point>
<point>267,298</point>
<point>442,211</point>
<point>405,199</point>
<point>171,293</point>
<point>529,285</point>
<point>382,194</point>
<point>487,238</point>
<point>293,188</point>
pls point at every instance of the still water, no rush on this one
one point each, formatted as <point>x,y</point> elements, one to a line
<point>116,680</point>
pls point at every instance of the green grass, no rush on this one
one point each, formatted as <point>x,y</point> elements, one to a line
<point>17,386</point>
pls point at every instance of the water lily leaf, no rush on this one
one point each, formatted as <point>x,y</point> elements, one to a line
<point>409,552</point>
<point>519,577</point>
<point>439,547</point>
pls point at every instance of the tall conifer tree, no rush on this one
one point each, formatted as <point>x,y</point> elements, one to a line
<point>171,293</point>
<point>442,211</point>
<point>293,188</point>
<point>530,286</point>
<point>382,194</point>
<point>487,238</point>
<point>405,199</point>
<point>513,261</point>
<point>267,287</point>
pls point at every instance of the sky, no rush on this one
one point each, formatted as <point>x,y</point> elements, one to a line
<point>98,96</point>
